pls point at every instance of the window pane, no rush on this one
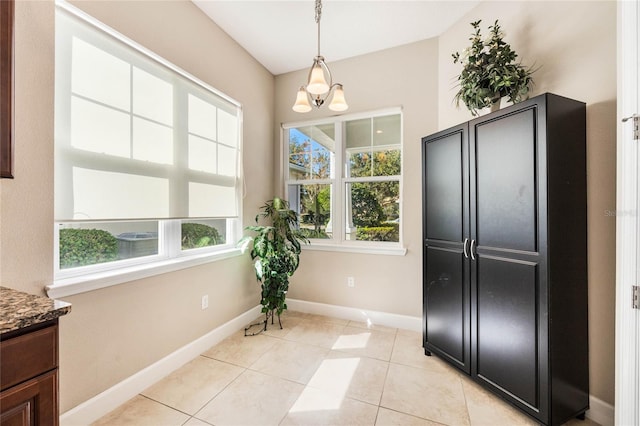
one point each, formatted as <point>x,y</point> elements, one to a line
<point>99,129</point>
<point>99,76</point>
<point>202,154</point>
<point>375,163</point>
<point>152,142</point>
<point>311,152</point>
<point>152,97</point>
<point>313,205</point>
<point>226,161</point>
<point>227,128</point>
<point>358,134</point>
<point>212,200</point>
<point>373,211</point>
<point>203,233</point>
<point>373,146</point>
<point>83,244</point>
<point>110,195</point>
<point>202,118</point>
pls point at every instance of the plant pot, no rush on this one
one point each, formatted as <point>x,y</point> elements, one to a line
<point>495,106</point>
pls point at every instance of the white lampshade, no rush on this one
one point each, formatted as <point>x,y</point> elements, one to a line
<point>317,83</point>
<point>302,102</point>
<point>338,103</point>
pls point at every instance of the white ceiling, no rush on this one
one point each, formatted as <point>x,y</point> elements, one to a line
<point>282,34</point>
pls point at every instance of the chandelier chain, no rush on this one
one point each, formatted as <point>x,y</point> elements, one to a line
<point>318,11</point>
<point>318,16</point>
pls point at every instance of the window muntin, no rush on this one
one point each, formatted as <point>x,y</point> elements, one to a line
<point>360,184</point>
<point>125,121</point>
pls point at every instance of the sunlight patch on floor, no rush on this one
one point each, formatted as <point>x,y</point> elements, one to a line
<point>352,341</point>
<point>334,376</point>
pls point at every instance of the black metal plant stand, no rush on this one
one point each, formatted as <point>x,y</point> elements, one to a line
<point>269,314</point>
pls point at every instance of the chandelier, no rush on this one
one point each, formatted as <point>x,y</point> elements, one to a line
<point>319,82</point>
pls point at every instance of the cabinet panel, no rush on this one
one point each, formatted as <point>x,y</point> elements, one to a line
<point>444,187</point>
<point>505,187</point>
<point>447,305</point>
<point>31,403</point>
<point>507,326</point>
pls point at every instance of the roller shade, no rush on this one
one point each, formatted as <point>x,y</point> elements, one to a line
<point>135,137</point>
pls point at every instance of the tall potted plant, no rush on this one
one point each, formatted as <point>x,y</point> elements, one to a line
<point>275,249</point>
<point>489,71</point>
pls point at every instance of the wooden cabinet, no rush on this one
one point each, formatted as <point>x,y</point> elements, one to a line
<point>29,376</point>
<point>505,254</point>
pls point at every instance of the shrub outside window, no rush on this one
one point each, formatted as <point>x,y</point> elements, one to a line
<point>343,177</point>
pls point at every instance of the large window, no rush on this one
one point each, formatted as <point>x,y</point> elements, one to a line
<point>343,177</point>
<point>146,156</point>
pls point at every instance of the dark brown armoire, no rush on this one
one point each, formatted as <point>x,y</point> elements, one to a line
<point>505,254</point>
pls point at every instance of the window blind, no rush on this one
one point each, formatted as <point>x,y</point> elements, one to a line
<point>136,137</point>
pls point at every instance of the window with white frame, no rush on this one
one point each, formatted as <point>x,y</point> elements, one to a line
<point>146,156</point>
<point>343,176</point>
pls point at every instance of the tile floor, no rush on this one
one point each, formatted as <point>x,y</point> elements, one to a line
<point>317,371</point>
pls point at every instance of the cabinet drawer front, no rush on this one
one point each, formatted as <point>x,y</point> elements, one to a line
<point>27,356</point>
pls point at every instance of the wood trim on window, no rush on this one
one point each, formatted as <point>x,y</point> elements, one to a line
<point>6,88</point>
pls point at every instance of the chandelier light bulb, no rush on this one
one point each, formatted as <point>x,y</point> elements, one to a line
<point>317,83</point>
<point>302,101</point>
<point>338,103</point>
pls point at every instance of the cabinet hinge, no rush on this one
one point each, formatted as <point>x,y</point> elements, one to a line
<point>636,297</point>
<point>635,119</point>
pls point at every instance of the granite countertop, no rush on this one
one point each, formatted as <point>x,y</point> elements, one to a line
<point>20,310</point>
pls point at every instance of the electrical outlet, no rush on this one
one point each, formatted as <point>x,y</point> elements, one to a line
<point>351,282</point>
<point>205,301</point>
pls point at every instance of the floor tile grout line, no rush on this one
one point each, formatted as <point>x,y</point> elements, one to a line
<point>162,403</point>
<point>218,393</point>
<point>466,402</point>
<point>413,415</point>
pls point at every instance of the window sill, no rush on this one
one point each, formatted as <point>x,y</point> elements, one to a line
<point>364,249</point>
<point>89,282</point>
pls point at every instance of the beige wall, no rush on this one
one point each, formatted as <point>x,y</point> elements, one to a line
<point>574,44</point>
<point>114,332</point>
<point>405,76</point>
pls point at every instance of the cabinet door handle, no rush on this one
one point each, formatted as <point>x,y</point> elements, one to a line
<point>464,248</point>
<point>473,242</point>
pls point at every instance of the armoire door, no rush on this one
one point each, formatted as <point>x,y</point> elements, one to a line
<point>446,287</point>
<point>507,290</point>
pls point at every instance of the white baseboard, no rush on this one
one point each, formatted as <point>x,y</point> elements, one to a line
<point>354,314</point>
<point>600,412</point>
<point>105,402</point>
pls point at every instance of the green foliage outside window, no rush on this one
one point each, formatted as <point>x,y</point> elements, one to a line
<point>388,232</point>
<point>80,247</point>
<point>196,235</point>
<point>366,207</point>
